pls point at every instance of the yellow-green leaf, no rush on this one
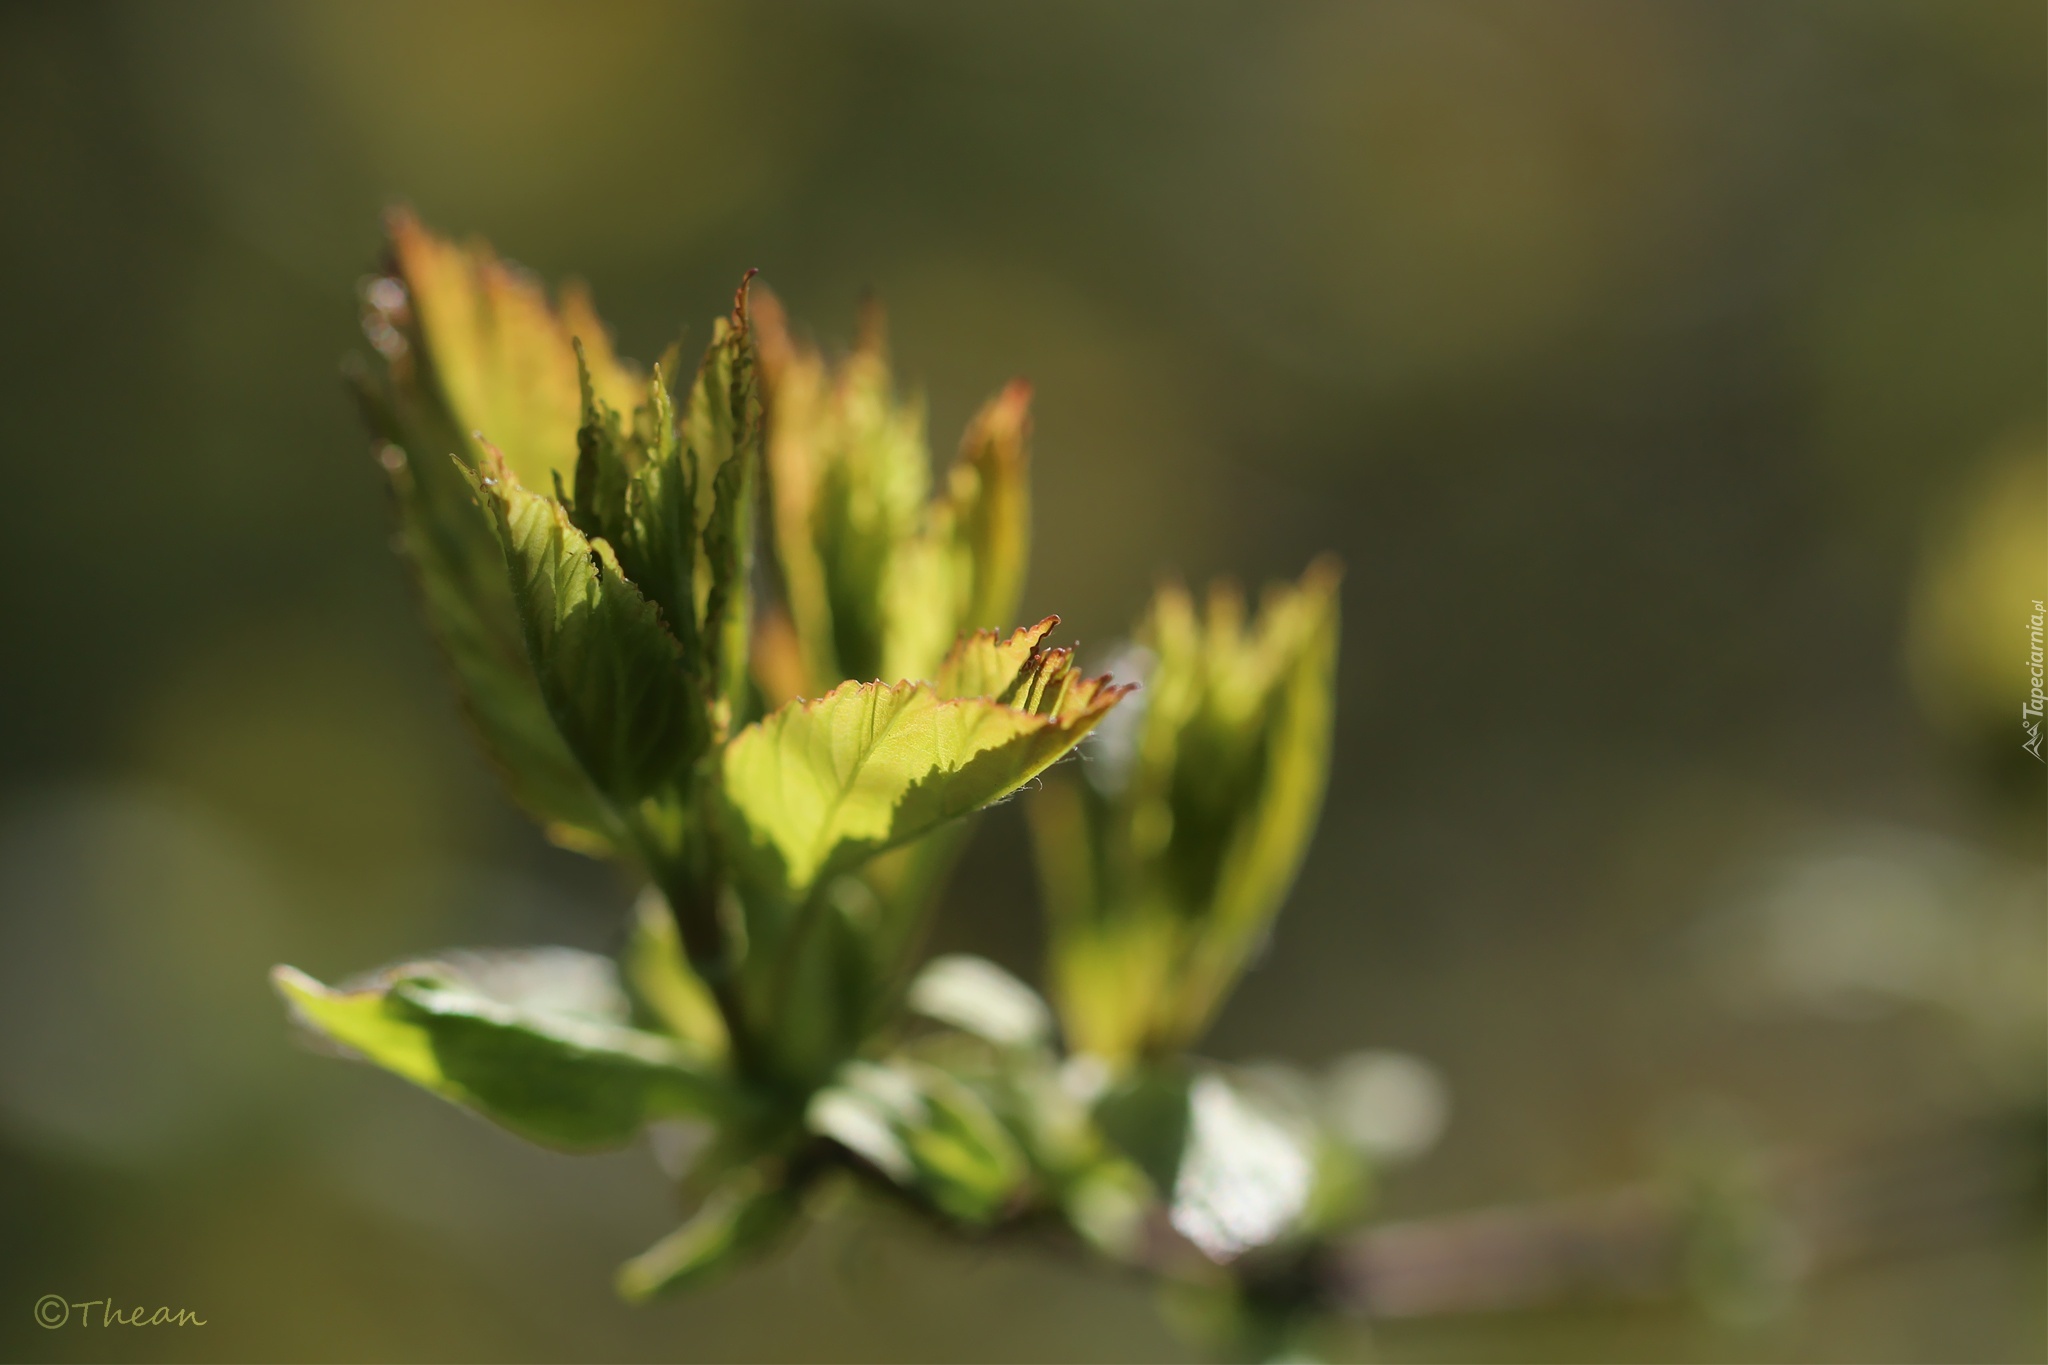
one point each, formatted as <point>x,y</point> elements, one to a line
<point>822,785</point>
<point>984,664</point>
<point>482,337</point>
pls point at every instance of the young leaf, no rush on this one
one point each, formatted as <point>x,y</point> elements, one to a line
<point>658,541</point>
<point>566,1077</point>
<point>722,427</point>
<point>926,1132</point>
<point>612,676</point>
<point>1163,870</point>
<point>460,572</point>
<point>498,358</point>
<point>605,463</point>
<point>1247,1173</point>
<point>900,883</point>
<point>984,518</point>
<point>468,341</point>
<point>636,490</point>
<point>849,473</point>
<point>822,785</point>
<point>877,576</point>
<point>1270,836</point>
<point>745,1212</point>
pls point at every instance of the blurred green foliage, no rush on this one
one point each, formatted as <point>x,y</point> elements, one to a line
<point>1641,362</point>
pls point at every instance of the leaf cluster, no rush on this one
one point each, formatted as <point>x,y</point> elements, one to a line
<point>726,629</point>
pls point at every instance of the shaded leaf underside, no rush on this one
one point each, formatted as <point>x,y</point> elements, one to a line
<point>558,1077</point>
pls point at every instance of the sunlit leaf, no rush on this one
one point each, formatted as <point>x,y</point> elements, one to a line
<point>1292,673</point>
<point>465,342</point>
<point>658,539</point>
<point>899,884</point>
<point>1237,1156</point>
<point>850,473</point>
<point>673,495</point>
<point>480,336</point>
<point>986,664</point>
<point>1245,1175</point>
<point>821,785</point>
<point>984,518</point>
<point>552,1065</point>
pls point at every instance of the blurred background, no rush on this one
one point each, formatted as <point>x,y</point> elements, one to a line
<point>1669,376</point>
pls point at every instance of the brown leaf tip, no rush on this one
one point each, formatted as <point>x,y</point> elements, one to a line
<point>739,299</point>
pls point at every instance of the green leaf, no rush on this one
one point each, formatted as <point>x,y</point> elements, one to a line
<point>928,1133</point>
<point>820,786</point>
<point>843,974</point>
<point>1163,870</point>
<point>1043,1106</point>
<point>1293,672</point>
<point>613,677</point>
<point>659,542</point>
<point>605,464</point>
<point>722,427</point>
<point>465,341</point>
<point>521,1039</point>
<point>646,488</point>
<point>670,996</point>
<point>742,1215</point>
<point>636,490</point>
<point>460,573</point>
